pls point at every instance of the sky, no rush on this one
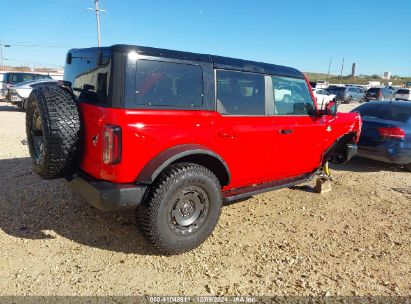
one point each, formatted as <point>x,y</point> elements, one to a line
<point>303,34</point>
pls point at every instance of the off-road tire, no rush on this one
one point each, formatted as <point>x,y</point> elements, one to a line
<point>408,167</point>
<point>153,214</point>
<point>58,131</point>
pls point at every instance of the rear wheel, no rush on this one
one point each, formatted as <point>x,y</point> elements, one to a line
<point>181,209</point>
<point>408,167</point>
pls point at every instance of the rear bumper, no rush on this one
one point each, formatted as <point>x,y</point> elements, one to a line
<point>108,196</point>
<point>386,153</point>
<point>341,98</point>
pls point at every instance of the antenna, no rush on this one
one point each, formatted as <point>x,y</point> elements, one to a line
<point>98,10</point>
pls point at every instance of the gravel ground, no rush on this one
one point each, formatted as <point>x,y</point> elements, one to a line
<point>354,240</point>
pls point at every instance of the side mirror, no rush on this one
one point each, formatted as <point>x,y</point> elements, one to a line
<point>331,108</point>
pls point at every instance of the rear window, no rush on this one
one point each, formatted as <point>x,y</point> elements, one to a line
<point>394,112</point>
<point>169,84</point>
<point>90,80</point>
<point>373,90</point>
<point>403,91</point>
<point>339,89</point>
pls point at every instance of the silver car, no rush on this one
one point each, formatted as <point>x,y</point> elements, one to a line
<point>19,93</point>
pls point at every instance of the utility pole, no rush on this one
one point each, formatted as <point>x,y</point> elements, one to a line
<point>97,10</point>
<point>342,68</point>
<point>329,68</point>
<point>1,54</point>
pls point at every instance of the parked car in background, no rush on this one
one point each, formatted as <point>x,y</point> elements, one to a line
<point>392,89</point>
<point>403,94</point>
<point>346,94</point>
<point>19,93</point>
<point>12,78</point>
<point>386,132</point>
<point>323,96</point>
<point>379,94</point>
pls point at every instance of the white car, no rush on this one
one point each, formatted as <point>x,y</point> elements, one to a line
<point>20,92</point>
<point>403,94</point>
<point>322,96</point>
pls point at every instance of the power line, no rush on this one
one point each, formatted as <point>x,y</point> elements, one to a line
<point>39,45</point>
<point>28,42</point>
<point>78,29</point>
<point>63,25</point>
<point>34,62</point>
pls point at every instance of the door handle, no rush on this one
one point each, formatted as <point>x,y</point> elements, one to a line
<point>285,131</point>
<point>227,134</point>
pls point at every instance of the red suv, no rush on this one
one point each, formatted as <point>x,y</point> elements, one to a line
<point>174,134</point>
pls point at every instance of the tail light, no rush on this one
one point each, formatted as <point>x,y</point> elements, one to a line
<point>394,132</point>
<point>379,93</point>
<point>111,144</point>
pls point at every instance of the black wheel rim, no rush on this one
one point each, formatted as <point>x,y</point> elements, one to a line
<point>37,135</point>
<point>188,210</point>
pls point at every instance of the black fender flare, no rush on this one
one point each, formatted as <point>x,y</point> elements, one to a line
<point>184,152</point>
<point>338,147</point>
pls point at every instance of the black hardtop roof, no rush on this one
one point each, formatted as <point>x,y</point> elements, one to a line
<point>217,61</point>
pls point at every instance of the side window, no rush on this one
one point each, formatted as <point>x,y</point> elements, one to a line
<point>27,77</point>
<point>240,93</point>
<point>291,96</point>
<point>169,84</point>
<point>16,78</point>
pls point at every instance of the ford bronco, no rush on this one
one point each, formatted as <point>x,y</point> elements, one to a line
<point>175,134</point>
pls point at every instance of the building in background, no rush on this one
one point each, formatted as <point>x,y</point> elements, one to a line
<point>387,75</point>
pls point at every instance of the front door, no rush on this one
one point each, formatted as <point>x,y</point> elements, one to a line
<point>299,135</point>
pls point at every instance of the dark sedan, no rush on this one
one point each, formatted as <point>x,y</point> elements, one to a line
<point>386,132</point>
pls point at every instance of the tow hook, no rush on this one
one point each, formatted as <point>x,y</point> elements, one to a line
<point>324,180</point>
<point>325,173</point>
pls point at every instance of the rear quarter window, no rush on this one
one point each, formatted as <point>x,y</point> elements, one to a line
<point>167,84</point>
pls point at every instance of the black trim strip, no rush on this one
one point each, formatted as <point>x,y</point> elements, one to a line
<point>240,193</point>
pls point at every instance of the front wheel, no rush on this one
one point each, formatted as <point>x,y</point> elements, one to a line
<point>181,209</point>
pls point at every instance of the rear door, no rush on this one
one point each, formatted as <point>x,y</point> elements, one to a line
<point>298,136</point>
<point>242,132</point>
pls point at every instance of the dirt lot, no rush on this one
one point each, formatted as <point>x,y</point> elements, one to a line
<point>353,240</point>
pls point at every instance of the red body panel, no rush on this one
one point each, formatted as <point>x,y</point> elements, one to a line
<point>254,147</point>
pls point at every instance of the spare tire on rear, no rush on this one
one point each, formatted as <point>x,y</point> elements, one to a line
<point>53,131</point>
